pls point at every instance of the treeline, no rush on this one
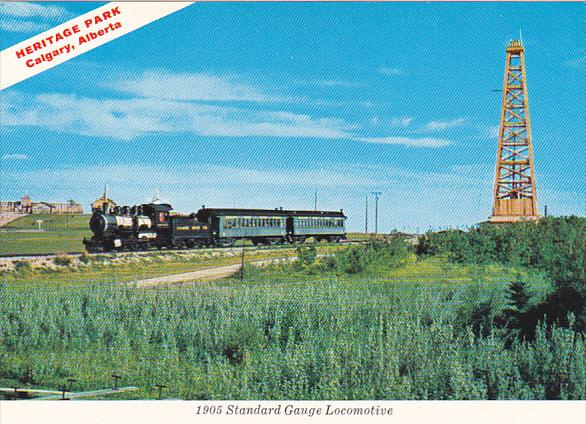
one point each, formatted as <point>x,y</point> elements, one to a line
<point>555,245</point>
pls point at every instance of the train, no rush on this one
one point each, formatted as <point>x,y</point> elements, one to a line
<point>157,225</point>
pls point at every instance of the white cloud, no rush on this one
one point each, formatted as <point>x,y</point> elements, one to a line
<point>404,122</point>
<point>493,132</point>
<point>390,71</point>
<point>192,86</point>
<point>13,25</point>
<point>445,125</point>
<point>128,119</point>
<point>410,197</point>
<point>32,10</point>
<point>24,16</point>
<point>200,104</point>
<point>338,83</point>
<point>14,156</point>
<point>408,141</point>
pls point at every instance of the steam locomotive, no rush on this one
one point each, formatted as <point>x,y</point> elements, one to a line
<point>156,225</point>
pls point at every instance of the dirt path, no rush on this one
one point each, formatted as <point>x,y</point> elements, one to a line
<point>207,274</point>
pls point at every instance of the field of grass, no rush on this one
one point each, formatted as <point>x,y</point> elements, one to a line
<point>128,267</point>
<point>62,233</point>
<point>398,328</point>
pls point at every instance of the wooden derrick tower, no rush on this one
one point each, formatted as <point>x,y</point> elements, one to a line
<point>514,184</point>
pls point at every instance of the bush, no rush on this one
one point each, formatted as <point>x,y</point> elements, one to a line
<point>85,257</point>
<point>22,266</point>
<point>62,261</point>
<point>306,254</point>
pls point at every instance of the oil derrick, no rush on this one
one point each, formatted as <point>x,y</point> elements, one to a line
<point>514,185</point>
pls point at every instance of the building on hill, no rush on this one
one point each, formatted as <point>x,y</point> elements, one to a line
<point>98,204</point>
<point>41,207</point>
<point>26,205</point>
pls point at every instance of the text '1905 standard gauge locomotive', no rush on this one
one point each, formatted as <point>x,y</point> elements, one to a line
<point>156,225</point>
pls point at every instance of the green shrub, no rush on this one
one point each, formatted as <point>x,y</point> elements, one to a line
<point>306,254</point>
<point>22,266</point>
<point>62,261</point>
<point>85,258</point>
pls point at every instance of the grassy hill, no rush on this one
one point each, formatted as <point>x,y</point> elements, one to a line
<point>62,233</point>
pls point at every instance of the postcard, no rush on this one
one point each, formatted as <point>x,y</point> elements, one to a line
<point>303,211</point>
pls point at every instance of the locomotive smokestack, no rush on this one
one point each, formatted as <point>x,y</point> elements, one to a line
<point>105,197</point>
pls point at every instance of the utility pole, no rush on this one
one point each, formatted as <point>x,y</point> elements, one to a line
<point>315,201</point>
<point>366,216</point>
<point>376,196</point>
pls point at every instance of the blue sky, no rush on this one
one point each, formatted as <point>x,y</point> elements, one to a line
<point>260,105</point>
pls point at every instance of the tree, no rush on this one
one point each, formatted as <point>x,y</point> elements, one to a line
<point>518,296</point>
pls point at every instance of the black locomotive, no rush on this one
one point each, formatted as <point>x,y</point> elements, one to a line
<point>155,225</point>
